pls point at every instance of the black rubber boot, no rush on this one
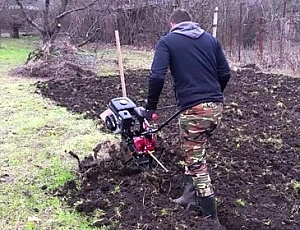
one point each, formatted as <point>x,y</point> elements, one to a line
<point>188,197</point>
<point>209,207</point>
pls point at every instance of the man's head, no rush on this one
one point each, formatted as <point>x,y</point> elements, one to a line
<point>179,16</point>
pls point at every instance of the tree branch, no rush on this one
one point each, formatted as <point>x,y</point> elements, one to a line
<point>75,10</point>
<point>28,19</point>
<point>64,4</point>
<point>89,38</point>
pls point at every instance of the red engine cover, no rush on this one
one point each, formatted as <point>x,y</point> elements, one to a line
<point>144,145</point>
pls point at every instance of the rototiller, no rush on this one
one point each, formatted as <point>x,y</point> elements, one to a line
<point>138,141</point>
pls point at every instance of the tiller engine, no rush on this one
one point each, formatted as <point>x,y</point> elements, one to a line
<point>138,141</point>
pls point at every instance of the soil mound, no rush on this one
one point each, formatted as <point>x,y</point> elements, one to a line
<point>60,61</point>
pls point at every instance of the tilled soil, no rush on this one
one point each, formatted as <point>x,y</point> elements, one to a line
<point>254,157</point>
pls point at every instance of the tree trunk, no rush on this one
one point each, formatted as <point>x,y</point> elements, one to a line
<point>15,31</point>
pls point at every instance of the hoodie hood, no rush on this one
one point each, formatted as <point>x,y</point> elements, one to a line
<point>189,29</point>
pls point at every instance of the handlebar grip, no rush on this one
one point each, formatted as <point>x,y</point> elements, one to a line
<point>154,116</point>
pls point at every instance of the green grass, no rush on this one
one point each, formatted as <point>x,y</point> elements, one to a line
<point>34,135</point>
<point>132,59</point>
<point>15,51</point>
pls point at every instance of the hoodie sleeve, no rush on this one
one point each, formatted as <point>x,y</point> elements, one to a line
<point>159,69</point>
<point>223,70</point>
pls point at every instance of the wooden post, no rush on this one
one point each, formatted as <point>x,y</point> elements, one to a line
<point>291,27</point>
<point>215,22</point>
<point>224,35</point>
<point>260,39</point>
<point>282,22</point>
<point>230,40</point>
<point>240,32</point>
<point>290,34</point>
<point>121,67</point>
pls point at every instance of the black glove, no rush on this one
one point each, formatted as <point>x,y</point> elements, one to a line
<point>147,114</point>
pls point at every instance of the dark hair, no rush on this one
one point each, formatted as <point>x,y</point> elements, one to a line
<point>180,15</point>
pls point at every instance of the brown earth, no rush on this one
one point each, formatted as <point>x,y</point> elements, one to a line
<point>254,157</point>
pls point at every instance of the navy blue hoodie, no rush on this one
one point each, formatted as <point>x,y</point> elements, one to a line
<point>197,63</point>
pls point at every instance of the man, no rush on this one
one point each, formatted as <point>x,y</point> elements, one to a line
<point>200,72</point>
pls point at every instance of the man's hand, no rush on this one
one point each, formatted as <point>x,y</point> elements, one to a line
<point>148,114</point>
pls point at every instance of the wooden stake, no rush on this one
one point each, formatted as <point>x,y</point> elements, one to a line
<point>230,40</point>
<point>215,22</point>
<point>260,39</point>
<point>240,31</point>
<point>121,67</point>
<point>282,32</point>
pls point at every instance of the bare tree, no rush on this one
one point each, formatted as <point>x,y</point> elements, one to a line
<point>244,25</point>
<point>12,19</point>
<point>51,25</point>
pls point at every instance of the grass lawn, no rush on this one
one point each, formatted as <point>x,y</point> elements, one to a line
<point>34,134</point>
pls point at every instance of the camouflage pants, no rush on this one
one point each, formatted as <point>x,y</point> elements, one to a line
<point>196,126</point>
